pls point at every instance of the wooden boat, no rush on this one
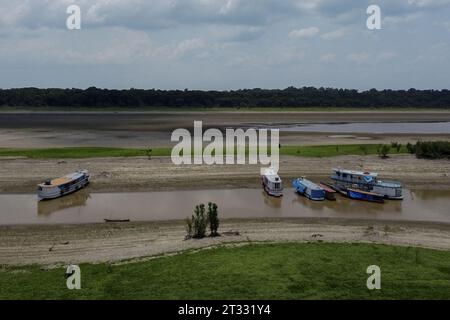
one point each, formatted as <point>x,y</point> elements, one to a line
<point>368,181</point>
<point>117,220</point>
<point>309,189</point>
<point>67,184</point>
<point>364,195</point>
<point>330,193</point>
<point>272,183</point>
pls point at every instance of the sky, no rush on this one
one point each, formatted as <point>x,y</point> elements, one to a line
<point>225,44</point>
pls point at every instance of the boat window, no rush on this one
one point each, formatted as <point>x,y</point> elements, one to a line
<point>344,175</point>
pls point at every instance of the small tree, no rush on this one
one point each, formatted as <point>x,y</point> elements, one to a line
<point>213,219</point>
<point>199,222</point>
<point>383,151</point>
<point>149,153</point>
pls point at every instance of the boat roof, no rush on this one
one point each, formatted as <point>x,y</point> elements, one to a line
<point>389,184</point>
<point>63,180</point>
<point>357,173</point>
<point>326,188</point>
<point>309,184</point>
<point>271,175</point>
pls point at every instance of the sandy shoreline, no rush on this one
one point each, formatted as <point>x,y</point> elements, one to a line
<point>95,243</point>
<point>159,173</point>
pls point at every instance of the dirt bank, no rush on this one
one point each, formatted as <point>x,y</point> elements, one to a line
<point>47,245</point>
<point>159,173</point>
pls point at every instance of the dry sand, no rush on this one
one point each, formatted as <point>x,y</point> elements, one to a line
<point>50,245</point>
<point>159,173</point>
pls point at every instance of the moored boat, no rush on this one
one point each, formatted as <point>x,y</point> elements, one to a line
<point>272,183</point>
<point>364,195</point>
<point>367,181</point>
<point>309,189</point>
<point>330,193</point>
<point>55,188</point>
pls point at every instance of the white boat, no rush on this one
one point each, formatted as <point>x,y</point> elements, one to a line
<point>59,187</point>
<point>272,183</point>
<point>368,181</point>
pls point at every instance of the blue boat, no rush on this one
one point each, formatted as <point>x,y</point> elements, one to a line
<point>309,189</point>
<point>365,195</point>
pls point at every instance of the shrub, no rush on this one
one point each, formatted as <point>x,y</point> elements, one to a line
<point>432,149</point>
<point>213,219</point>
<point>411,148</point>
<point>397,146</point>
<point>383,150</point>
<point>199,222</point>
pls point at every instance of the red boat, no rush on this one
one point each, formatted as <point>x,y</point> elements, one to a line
<point>329,192</point>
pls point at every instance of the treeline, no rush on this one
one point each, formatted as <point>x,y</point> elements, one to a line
<point>249,98</point>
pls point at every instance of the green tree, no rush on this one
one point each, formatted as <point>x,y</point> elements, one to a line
<point>213,219</point>
<point>383,151</point>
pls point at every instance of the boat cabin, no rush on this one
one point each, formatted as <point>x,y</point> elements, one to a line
<point>367,181</point>
<point>309,189</point>
<point>272,183</point>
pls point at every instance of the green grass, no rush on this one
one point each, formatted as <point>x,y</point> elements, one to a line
<point>257,271</point>
<point>95,152</point>
<point>336,150</point>
<point>80,152</point>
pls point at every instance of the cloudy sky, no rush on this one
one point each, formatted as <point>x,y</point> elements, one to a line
<point>225,44</point>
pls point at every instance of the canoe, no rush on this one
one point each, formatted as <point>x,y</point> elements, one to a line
<point>117,220</point>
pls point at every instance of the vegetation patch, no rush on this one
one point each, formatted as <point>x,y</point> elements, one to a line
<point>99,152</point>
<point>255,271</point>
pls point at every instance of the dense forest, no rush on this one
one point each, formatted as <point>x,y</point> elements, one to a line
<point>249,98</point>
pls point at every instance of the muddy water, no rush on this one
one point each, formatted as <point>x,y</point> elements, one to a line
<point>85,207</point>
<point>374,128</point>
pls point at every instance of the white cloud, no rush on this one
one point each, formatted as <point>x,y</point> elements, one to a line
<point>335,34</point>
<point>304,33</point>
<point>328,58</point>
<point>359,58</point>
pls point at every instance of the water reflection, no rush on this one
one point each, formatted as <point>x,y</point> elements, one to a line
<point>77,199</point>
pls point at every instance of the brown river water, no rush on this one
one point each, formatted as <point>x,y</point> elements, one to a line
<point>86,207</point>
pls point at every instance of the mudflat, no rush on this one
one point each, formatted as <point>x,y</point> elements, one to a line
<point>159,173</point>
<point>137,129</point>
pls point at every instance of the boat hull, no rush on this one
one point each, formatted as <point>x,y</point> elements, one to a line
<point>364,196</point>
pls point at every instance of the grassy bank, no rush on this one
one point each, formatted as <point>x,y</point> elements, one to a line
<point>96,152</point>
<point>259,271</point>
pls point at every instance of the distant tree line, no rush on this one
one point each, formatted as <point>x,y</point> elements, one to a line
<point>249,98</point>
